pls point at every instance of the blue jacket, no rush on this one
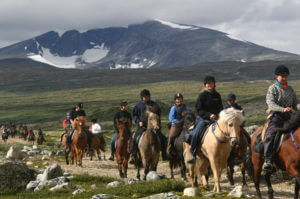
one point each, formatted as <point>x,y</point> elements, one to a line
<point>139,109</point>
<point>175,114</point>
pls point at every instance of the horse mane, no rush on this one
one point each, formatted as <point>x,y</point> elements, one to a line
<point>229,114</point>
<point>154,109</point>
<point>292,124</point>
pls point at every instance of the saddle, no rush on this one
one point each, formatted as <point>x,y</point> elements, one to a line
<point>259,143</point>
<point>201,134</point>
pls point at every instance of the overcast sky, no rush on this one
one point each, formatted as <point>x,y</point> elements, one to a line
<point>272,23</point>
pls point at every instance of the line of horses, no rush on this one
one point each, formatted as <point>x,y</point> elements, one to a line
<point>21,132</point>
<point>224,146</point>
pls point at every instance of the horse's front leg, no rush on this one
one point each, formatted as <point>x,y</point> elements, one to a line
<point>217,175</point>
<point>230,171</point>
<point>183,170</point>
<point>244,173</point>
<point>171,169</point>
<point>125,167</point>
<point>192,175</point>
<point>268,180</point>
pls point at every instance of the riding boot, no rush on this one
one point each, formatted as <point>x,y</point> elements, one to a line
<point>267,166</point>
<point>170,147</point>
<point>69,139</point>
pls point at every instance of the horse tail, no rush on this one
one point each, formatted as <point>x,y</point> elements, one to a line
<point>249,164</point>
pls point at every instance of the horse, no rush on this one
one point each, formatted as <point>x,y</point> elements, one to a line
<point>4,135</point>
<point>31,138</point>
<point>122,154</point>
<point>238,156</point>
<point>221,136</point>
<point>40,139</point>
<point>149,145</point>
<point>79,140</point>
<point>177,158</point>
<point>97,145</point>
<point>287,158</point>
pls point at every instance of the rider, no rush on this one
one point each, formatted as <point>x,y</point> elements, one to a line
<point>208,106</point>
<point>76,112</point>
<point>281,99</point>
<point>67,121</point>
<point>231,102</point>
<point>123,113</point>
<point>139,118</point>
<point>175,115</point>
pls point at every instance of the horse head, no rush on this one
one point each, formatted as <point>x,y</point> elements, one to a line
<point>189,119</point>
<point>123,124</point>
<point>79,122</point>
<point>153,121</point>
<point>230,122</point>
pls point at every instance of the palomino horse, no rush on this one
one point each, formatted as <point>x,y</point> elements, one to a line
<point>79,140</point>
<point>238,156</point>
<point>287,158</point>
<point>97,145</point>
<point>149,145</point>
<point>122,154</point>
<point>214,152</point>
<point>177,158</point>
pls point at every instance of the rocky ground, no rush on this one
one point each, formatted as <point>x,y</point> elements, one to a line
<point>282,185</point>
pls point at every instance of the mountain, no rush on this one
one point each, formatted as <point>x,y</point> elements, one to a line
<point>153,44</point>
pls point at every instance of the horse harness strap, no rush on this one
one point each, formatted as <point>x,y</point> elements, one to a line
<point>294,141</point>
<point>217,138</point>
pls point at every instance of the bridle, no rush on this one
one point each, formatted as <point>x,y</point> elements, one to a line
<point>226,135</point>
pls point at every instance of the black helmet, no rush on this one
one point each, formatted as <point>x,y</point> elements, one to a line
<point>282,70</point>
<point>124,103</point>
<point>145,93</point>
<point>231,96</point>
<point>209,79</point>
<point>94,120</point>
<point>80,105</point>
<point>178,95</point>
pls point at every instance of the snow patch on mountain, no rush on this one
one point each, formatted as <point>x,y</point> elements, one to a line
<point>177,26</point>
<point>235,38</point>
<point>90,55</point>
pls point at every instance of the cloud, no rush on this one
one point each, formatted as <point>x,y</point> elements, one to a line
<point>272,23</point>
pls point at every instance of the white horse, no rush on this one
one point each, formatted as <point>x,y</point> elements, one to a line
<point>215,150</point>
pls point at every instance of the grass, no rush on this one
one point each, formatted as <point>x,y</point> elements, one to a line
<point>124,191</point>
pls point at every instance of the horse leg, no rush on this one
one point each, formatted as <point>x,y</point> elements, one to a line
<point>146,170</point>
<point>230,170</point>
<point>270,189</point>
<point>192,175</point>
<point>257,168</point>
<point>98,154</point>
<point>183,170</point>
<point>120,168</point>
<point>171,169</point>
<point>125,166</point>
<point>244,173</point>
<point>67,155</point>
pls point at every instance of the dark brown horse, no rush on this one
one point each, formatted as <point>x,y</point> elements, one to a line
<point>79,140</point>
<point>238,156</point>
<point>287,158</point>
<point>149,146</point>
<point>177,158</point>
<point>98,144</point>
<point>122,154</point>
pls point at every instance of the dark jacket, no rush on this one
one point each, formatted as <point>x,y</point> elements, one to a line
<point>138,111</point>
<point>236,106</point>
<point>75,113</point>
<point>122,114</point>
<point>208,102</point>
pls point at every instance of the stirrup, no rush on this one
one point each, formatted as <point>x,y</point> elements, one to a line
<point>192,160</point>
<point>267,166</point>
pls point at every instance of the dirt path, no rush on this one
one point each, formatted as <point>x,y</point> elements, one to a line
<point>282,188</point>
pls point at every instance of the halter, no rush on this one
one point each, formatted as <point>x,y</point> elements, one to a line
<point>226,135</point>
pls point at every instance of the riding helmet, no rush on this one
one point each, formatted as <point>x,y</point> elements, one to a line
<point>80,105</point>
<point>282,70</point>
<point>209,79</point>
<point>94,120</point>
<point>231,96</point>
<point>124,103</point>
<point>145,93</point>
<point>178,95</point>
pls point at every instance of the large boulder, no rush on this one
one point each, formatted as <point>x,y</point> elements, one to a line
<point>14,174</point>
<point>51,172</point>
<point>191,192</point>
<point>14,154</point>
<point>237,192</point>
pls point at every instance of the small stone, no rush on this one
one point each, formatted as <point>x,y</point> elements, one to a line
<point>27,148</point>
<point>152,175</point>
<point>60,153</point>
<point>191,192</point>
<point>114,184</point>
<point>237,192</point>
<point>210,195</point>
<point>35,147</point>
<point>46,163</point>
<point>102,196</point>
<point>131,181</point>
<point>93,186</point>
<point>66,185</point>
<point>36,166</point>
<point>78,191</point>
<point>29,163</point>
<point>45,157</point>
<point>32,184</point>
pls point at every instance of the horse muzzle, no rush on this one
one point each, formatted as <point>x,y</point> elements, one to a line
<point>234,142</point>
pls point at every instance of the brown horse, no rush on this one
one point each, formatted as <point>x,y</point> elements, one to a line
<point>287,158</point>
<point>40,139</point>
<point>79,140</point>
<point>122,154</point>
<point>238,156</point>
<point>149,145</point>
<point>216,147</point>
<point>97,145</point>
